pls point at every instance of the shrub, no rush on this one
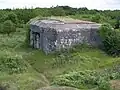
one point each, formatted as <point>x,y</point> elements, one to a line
<point>103,84</point>
<point>12,63</point>
<point>88,79</point>
<point>112,43</point>
<point>2,87</point>
<point>82,79</point>
<point>104,30</point>
<point>8,27</point>
<point>110,39</point>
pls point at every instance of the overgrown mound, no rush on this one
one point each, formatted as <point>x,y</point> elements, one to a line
<point>24,81</point>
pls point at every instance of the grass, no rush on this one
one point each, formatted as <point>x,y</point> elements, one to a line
<point>82,17</point>
<point>87,59</point>
<point>66,18</point>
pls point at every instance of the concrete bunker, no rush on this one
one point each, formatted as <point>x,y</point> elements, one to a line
<point>51,34</point>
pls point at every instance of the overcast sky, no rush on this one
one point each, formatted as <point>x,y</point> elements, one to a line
<point>90,4</point>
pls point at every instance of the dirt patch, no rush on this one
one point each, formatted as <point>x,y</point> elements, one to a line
<point>57,88</point>
<point>115,84</point>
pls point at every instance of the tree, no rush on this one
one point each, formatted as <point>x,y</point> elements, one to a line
<point>25,14</point>
<point>3,18</point>
<point>69,10</point>
<point>9,16</point>
<point>57,11</point>
<point>8,27</point>
<point>13,17</point>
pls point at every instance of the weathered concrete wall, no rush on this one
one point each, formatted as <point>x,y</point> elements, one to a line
<point>43,38</point>
<point>68,38</point>
<point>33,35</point>
<point>49,38</point>
<point>95,39</point>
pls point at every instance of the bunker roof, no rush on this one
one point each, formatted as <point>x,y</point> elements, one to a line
<point>60,25</point>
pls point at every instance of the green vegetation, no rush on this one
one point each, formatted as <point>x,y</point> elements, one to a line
<point>82,67</point>
<point>110,39</point>
<point>88,79</point>
<point>8,27</point>
<point>23,81</point>
<point>11,63</point>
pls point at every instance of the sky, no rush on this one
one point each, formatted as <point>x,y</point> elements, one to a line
<point>90,4</point>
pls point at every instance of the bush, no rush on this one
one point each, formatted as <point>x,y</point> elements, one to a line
<point>8,27</point>
<point>4,86</point>
<point>103,85</point>
<point>83,80</point>
<point>110,39</point>
<point>104,30</point>
<point>12,63</point>
<point>88,79</point>
<point>112,43</point>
